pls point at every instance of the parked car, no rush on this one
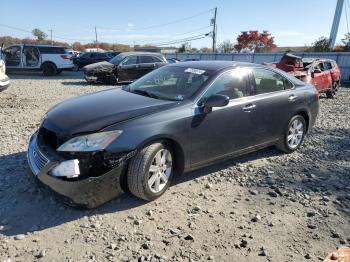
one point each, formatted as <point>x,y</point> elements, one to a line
<point>88,58</point>
<point>172,60</point>
<point>190,59</point>
<point>176,118</point>
<point>124,68</point>
<point>113,53</point>
<point>324,74</point>
<point>51,60</point>
<point>4,80</point>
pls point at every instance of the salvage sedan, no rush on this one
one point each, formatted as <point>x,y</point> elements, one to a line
<point>180,117</point>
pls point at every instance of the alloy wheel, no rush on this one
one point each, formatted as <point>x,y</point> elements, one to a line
<point>160,170</point>
<point>295,133</point>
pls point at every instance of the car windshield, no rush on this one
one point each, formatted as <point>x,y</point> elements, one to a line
<point>117,59</point>
<point>170,83</point>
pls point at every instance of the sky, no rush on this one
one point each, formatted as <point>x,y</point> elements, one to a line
<point>291,22</point>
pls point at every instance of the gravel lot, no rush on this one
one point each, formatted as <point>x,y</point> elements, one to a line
<point>265,206</point>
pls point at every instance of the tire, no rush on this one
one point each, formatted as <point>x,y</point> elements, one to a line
<point>333,91</point>
<point>49,69</point>
<point>142,181</point>
<point>293,131</point>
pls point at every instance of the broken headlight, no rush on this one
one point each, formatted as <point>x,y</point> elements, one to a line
<point>89,143</point>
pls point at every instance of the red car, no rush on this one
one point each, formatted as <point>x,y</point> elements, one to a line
<point>324,74</point>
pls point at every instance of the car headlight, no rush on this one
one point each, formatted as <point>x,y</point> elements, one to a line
<point>92,142</point>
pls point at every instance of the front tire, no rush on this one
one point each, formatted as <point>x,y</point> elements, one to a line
<point>333,91</point>
<point>150,172</point>
<point>294,134</point>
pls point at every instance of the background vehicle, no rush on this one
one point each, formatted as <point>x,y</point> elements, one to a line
<point>124,68</point>
<point>88,58</point>
<point>51,60</point>
<point>113,53</point>
<point>178,117</point>
<point>4,80</point>
<point>324,74</point>
<point>172,60</point>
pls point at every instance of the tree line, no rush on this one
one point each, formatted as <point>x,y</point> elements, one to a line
<point>246,41</point>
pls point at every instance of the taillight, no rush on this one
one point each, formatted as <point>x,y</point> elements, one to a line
<point>67,57</point>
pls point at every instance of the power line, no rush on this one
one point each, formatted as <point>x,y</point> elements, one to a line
<point>172,35</point>
<point>183,40</point>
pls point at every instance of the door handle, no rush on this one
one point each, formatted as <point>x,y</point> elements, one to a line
<point>292,98</point>
<point>249,107</point>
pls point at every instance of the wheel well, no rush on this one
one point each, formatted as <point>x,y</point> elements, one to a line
<point>306,117</point>
<point>47,62</point>
<point>178,152</point>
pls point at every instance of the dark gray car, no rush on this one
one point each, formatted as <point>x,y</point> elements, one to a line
<point>174,119</point>
<point>124,68</point>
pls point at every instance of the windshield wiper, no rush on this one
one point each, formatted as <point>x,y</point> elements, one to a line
<point>145,92</point>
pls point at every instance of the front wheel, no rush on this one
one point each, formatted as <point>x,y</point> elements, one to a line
<point>333,91</point>
<point>294,135</point>
<point>150,171</point>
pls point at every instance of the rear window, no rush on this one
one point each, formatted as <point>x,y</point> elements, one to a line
<point>52,50</point>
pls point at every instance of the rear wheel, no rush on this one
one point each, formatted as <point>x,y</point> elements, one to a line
<point>333,91</point>
<point>150,171</point>
<point>294,135</point>
<point>49,69</point>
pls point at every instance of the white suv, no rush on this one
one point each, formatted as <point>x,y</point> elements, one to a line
<point>4,80</point>
<point>51,60</point>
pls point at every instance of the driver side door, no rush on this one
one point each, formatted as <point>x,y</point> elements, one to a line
<point>226,129</point>
<point>12,56</point>
<point>128,69</point>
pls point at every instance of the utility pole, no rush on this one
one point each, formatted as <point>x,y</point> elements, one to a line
<point>335,25</point>
<point>51,36</point>
<point>214,29</point>
<point>96,39</point>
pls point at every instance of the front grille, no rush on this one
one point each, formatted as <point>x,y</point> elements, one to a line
<point>39,159</point>
<point>49,138</point>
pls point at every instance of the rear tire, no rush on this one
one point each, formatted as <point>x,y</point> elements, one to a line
<point>49,69</point>
<point>150,171</point>
<point>294,135</point>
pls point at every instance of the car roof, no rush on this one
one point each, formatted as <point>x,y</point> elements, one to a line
<point>141,53</point>
<point>215,65</point>
<point>42,45</point>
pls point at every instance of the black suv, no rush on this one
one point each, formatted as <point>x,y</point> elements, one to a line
<point>90,58</point>
<point>124,68</point>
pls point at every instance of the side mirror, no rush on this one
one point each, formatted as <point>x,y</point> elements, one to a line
<point>215,101</point>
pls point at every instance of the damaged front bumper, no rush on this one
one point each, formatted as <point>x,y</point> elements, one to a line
<point>4,83</point>
<point>89,192</point>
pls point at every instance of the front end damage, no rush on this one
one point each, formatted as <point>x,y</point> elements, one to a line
<point>102,72</point>
<point>86,179</point>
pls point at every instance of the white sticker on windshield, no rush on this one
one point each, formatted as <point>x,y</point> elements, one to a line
<point>195,71</point>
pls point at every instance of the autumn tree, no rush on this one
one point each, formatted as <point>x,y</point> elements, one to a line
<point>40,35</point>
<point>205,49</point>
<point>77,46</point>
<point>226,47</point>
<point>255,41</point>
<point>320,45</point>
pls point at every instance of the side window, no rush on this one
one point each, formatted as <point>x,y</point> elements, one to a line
<point>12,55</point>
<point>157,59</point>
<point>327,65</point>
<point>233,84</point>
<point>268,81</point>
<point>130,60</point>
<point>146,59</point>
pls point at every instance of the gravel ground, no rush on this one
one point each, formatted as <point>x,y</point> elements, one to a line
<point>264,206</point>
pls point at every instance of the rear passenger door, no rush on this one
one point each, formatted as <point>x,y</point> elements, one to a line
<point>275,101</point>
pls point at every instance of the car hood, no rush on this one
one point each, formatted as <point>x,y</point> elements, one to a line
<point>99,67</point>
<point>93,112</point>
